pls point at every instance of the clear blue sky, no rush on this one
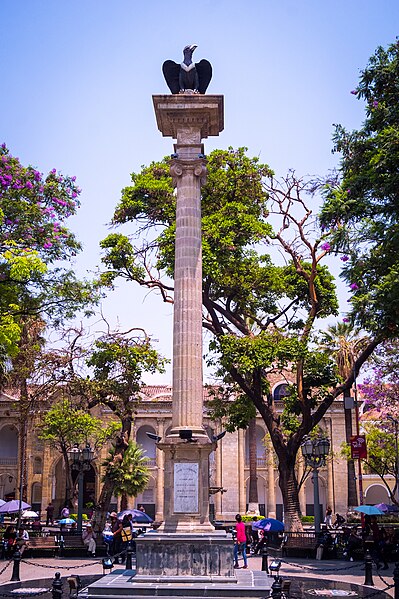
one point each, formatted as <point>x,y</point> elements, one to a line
<point>78,76</point>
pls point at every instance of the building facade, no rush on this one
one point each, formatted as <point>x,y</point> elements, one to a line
<point>229,464</point>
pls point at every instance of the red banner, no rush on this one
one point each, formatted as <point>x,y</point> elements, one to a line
<point>358,447</point>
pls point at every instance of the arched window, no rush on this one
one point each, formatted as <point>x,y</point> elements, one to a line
<point>37,466</point>
<point>36,493</point>
<point>280,392</point>
<point>8,446</point>
<point>147,444</point>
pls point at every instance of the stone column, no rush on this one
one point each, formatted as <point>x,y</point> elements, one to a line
<point>242,492</point>
<point>187,545</point>
<point>160,462</point>
<point>271,484</point>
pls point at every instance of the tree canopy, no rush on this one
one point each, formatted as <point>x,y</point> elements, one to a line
<point>260,311</point>
<point>362,209</point>
<point>33,237</point>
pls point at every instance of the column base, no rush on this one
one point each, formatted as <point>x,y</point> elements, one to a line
<point>173,557</point>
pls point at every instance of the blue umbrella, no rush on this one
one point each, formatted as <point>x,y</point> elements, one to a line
<point>137,516</point>
<point>269,525</point>
<point>369,510</point>
<point>66,521</point>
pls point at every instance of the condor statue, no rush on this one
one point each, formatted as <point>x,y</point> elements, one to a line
<point>187,76</point>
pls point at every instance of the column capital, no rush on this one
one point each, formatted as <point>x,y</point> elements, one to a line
<point>196,167</point>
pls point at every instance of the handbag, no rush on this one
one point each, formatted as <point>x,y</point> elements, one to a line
<point>126,534</point>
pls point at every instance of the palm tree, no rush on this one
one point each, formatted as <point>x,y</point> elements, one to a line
<point>129,477</point>
<point>344,343</point>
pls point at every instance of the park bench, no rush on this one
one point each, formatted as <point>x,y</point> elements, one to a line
<point>71,544</point>
<point>42,544</point>
<point>297,544</point>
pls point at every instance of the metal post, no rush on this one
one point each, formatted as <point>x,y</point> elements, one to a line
<point>15,568</point>
<point>80,498</point>
<point>396,580</point>
<point>316,501</point>
<point>368,567</point>
<point>265,555</point>
<point>56,589</point>
<point>129,552</point>
<point>277,588</point>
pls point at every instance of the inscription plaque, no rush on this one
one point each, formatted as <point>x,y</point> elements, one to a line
<point>186,487</point>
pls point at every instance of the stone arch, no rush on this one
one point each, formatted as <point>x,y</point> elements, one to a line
<point>147,497</point>
<point>280,391</point>
<point>148,445</point>
<point>309,496</point>
<point>376,493</point>
<point>262,492</point>
<point>36,497</point>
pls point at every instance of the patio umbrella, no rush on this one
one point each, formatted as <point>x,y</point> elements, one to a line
<point>14,506</point>
<point>66,521</point>
<point>387,509</point>
<point>269,525</point>
<point>2,502</point>
<point>137,516</point>
<point>369,510</point>
<point>29,514</point>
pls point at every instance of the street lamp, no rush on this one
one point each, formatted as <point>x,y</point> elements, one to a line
<point>80,461</point>
<point>396,423</point>
<point>315,452</point>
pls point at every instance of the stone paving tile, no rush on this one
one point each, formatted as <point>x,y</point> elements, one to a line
<point>351,572</point>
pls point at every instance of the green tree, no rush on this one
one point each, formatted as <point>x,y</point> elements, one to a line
<point>33,237</point>
<point>130,476</point>
<point>64,425</point>
<point>261,315</point>
<point>107,372</point>
<point>362,209</point>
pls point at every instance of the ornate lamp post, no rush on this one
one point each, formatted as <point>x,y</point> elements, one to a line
<point>315,452</point>
<point>80,460</point>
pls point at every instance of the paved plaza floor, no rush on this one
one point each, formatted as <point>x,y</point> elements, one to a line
<point>33,569</point>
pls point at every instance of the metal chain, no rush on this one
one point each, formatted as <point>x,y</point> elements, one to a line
<point>59,567</point>
<point>318,569</point>
<point>5,567</point>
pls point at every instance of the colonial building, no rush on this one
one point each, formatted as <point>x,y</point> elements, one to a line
<point>229,468</point>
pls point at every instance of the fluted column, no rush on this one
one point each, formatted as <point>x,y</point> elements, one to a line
<point>271,485</point>
<point>188,173</point>
<point>160,463</point>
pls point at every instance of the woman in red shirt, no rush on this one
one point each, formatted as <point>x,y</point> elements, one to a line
<point>241,542</point>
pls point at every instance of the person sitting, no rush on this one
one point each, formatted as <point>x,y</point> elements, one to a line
<point>89,539</point>
<point>10,537</point>
<point>22,539</point>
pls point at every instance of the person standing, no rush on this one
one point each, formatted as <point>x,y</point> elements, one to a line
<point>49,514</point>
<point>328,517</point>
<point>240,542</point>
<point>116,527</point>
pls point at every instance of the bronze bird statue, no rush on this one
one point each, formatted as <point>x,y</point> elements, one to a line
<point>187,75</point>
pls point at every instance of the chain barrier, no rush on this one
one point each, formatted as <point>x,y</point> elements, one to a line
<point>5,567</point>
<point>59,567</point>
<point>319,570</point>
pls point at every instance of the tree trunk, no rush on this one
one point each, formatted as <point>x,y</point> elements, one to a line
<point>123,502</point>
<point>102,506</point>
<point>351,474</point>
<point>253,502</point>
<point>289,490</point>
<point>69,486</point>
